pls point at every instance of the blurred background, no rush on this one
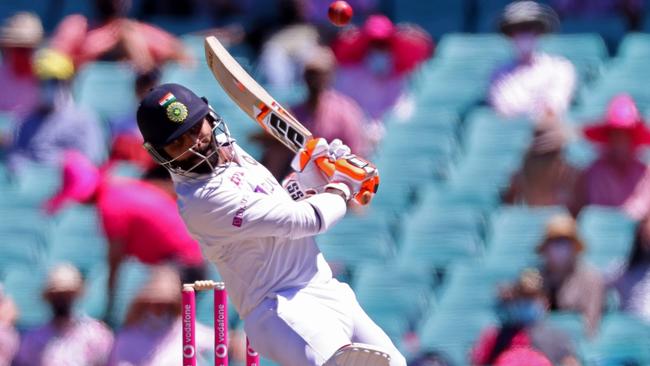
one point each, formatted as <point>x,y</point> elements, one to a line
<point>510,225</point>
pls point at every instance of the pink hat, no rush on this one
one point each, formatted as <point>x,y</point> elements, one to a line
<point>80,182</point>
<point>378,28</point>
<point>522,356</point>
<point>622,115</point>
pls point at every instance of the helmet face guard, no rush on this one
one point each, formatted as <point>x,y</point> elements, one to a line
<point>222,150</point>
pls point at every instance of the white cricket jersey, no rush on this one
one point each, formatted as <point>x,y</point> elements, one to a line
<point>545,85</point>
<point>258,237</point>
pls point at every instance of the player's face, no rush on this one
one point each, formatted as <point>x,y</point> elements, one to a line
<point>198,138</point>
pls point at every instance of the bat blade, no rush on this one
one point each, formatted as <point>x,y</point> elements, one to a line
<point>252,98</point>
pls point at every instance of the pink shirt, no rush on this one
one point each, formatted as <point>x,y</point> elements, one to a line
<point>19,94</point>
<point>146,221</point>
<point>85,342</point>
<point>336,116</point>
<point>605,183</point>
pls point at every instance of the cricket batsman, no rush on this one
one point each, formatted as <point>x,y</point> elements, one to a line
<point>261,239</point>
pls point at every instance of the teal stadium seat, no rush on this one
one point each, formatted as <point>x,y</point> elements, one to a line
<point>516,232</point>
<point>132,275</point>
<point>622,340</point>
<point>94,300</point>
<point>84,251</point>
<point>635,46</point>
<point>107,88</point>
<point>24,285</point>
<point>608,233</point>
<point>25,248</point>
<point>587,52</point>
<point>438,249</point>
<point>454,332</point>
<point>473,285</point>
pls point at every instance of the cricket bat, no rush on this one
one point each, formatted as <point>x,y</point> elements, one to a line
<point>259,105</point>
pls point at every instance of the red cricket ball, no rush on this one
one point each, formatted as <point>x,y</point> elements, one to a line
<point>340,13</point>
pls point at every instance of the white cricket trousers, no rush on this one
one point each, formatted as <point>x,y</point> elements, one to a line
<point>304,327</point>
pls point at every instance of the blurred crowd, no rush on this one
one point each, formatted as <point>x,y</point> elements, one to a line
<point>355,78</point>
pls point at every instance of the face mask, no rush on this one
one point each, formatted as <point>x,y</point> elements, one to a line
<point>379,62</point>
<point>560,253</point>
<point>520,312</point>
<point>525,43</point>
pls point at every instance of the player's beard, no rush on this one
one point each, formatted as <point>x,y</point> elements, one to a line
<point>198,165</point>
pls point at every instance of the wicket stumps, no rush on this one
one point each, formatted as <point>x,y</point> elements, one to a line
<point>220,324</point>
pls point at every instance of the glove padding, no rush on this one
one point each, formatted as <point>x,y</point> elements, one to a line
<point>319,164</point>
<point>308,178</point>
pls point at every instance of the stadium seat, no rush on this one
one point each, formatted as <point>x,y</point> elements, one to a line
<point>438,250</point>
<point>473,285</point>
<point>622,340</point>
<point>132,275</point>
<point>352,250</point>
<point>84,251</point>
<point>635,46</point>
<point>25,248</point>
<point>24,285</point>
<point>78,219</point>
<point>474,48</point>
<point>608,234</point>
<point>107,88</point>
<point>454,332</point>
<point>94,299</point>
<point>516,232</point>
<point>587,52</point>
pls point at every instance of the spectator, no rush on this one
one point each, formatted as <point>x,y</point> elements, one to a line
<point>20,35</point>
<point>535,85</point>
<point>375,61</point>
<point>632,10</point>
<point>139,219</point>
<point>58,123</point>
<point>116,37</point>
<point>326,113</point>
<point>545,177</point>
<point>8,334</point>
<point>69,338</point>
<point>521,309</point>
<point>615,176</point>
<point>284,55</point>
<point>570,284</point>
<point>151,335</point>
<point>632,281</point>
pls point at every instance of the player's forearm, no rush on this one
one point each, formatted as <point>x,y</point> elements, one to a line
<point>330,208</point>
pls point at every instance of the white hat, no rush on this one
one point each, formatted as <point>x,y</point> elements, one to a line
<point>63,278</point>
<point>21,30</point>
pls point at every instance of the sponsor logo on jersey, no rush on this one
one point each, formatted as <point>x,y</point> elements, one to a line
<point>238,220</point>
<point>237,178</point>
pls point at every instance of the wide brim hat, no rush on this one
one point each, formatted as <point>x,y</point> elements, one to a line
<point>521,14</point>
<point>561,226</point>
<point>622,115</point>
<point>23,29</point>
<point>63,278</point>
